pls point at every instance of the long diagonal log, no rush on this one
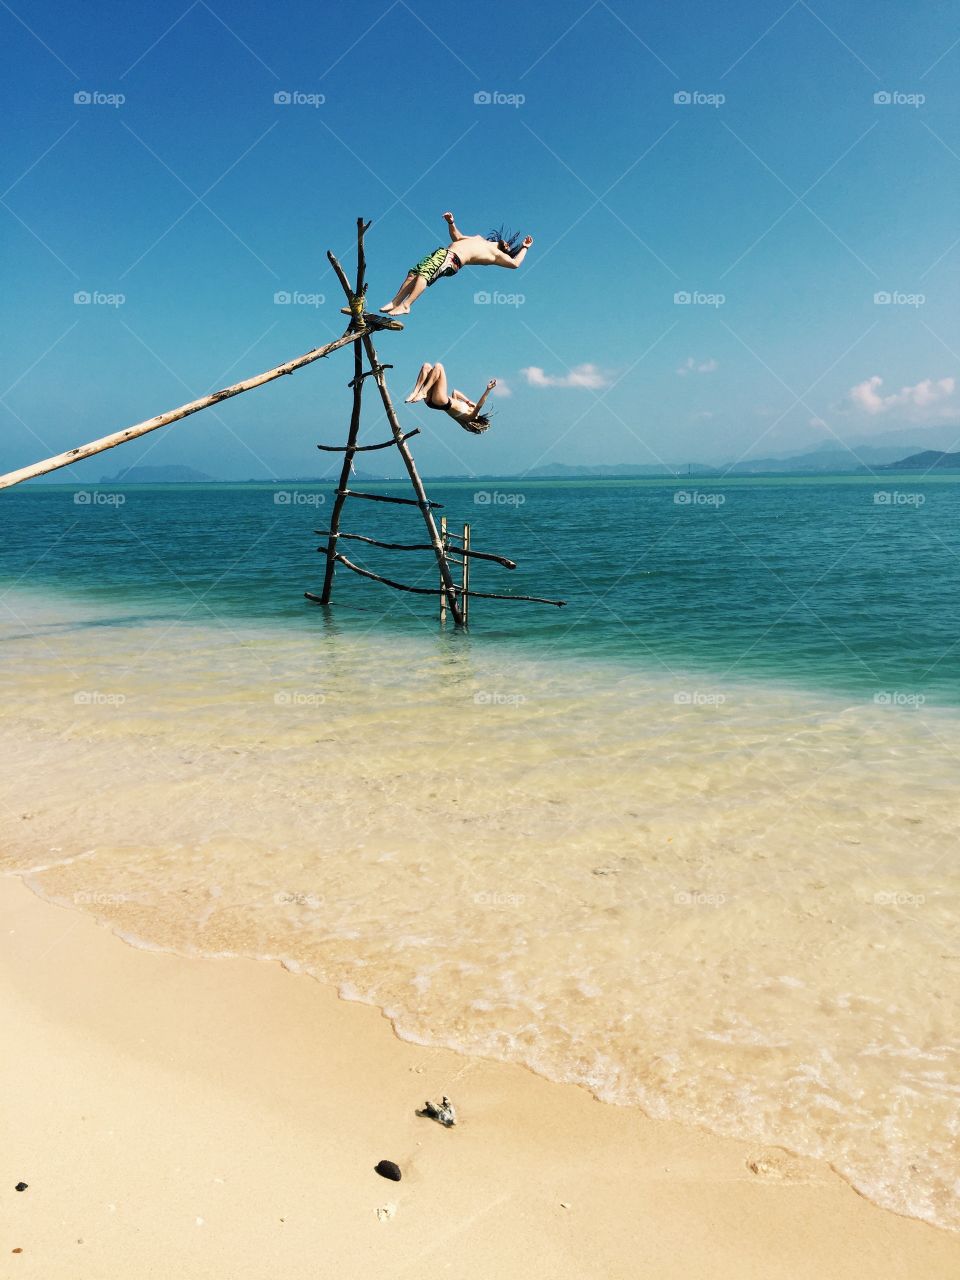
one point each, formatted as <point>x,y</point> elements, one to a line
<point>174,415</point>
<point>446,577</point>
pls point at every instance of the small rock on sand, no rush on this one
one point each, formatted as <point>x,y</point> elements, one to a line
<point>387,1169</point>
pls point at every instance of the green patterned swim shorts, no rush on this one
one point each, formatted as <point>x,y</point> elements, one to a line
<point>431,267</point>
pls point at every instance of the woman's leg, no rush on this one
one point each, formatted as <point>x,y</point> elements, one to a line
<point>436,387</point>
<point>418,392</point>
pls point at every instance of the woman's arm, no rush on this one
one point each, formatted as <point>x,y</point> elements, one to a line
<point>479,405</point>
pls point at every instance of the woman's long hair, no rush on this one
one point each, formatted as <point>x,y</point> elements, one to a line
<point>509,241</point>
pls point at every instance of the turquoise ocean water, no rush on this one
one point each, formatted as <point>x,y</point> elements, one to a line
<point>847,584</point>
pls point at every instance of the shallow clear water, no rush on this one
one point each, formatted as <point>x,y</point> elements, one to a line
<point>709,871</point>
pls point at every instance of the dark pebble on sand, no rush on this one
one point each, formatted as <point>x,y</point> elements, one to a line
<point>21,1186</point>
<point>387,1169</point>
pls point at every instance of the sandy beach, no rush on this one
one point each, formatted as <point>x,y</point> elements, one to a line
<point>214,1118</point>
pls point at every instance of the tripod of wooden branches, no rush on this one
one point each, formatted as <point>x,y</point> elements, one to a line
<point>455,597</point>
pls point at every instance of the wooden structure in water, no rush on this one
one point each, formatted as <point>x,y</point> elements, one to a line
<point>454,596</point>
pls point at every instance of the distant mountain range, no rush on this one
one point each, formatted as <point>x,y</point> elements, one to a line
<point>907,448</point>
<point>170,474</point>
<point>929,460</point>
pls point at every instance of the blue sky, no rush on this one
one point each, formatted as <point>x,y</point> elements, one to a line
<point>782,186</point>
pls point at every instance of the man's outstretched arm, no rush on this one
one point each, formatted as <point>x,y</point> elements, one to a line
<point>455,232</point>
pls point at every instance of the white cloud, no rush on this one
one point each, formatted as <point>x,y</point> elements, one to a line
<point>501,390</point>
<point>923,400</point>
<point>583,376</point>
<point>691,366</point>
<point>703,416</point>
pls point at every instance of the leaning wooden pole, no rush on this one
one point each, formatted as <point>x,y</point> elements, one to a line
<point>174,415</point>
<point>356,323</point>
<point>376,369</point>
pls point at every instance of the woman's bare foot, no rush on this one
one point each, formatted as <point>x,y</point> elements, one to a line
<point>401,310</point>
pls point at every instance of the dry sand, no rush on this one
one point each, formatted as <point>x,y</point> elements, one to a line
<point>201,1118</point>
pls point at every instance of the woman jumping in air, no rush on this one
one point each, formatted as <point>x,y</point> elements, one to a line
<point>494,250</point>
<point>431,385</point>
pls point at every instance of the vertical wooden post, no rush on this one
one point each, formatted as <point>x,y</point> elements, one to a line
<point>465,579</point>
<point>350,451</point>
<point>443,594</point>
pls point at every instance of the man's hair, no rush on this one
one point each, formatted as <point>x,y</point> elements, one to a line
<point>509,241</point>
